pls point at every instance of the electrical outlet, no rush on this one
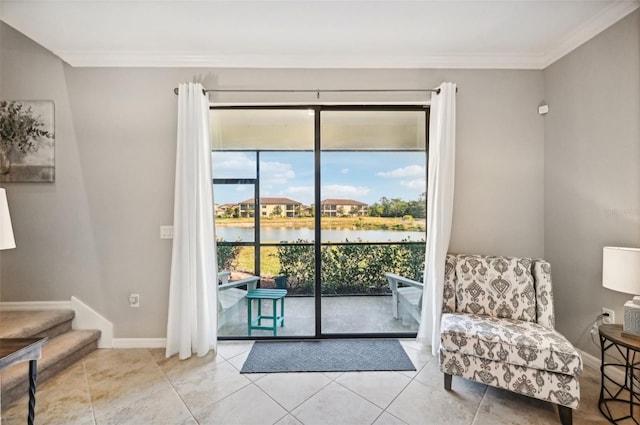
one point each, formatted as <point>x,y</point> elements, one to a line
<point>134,300</point>
<point>611,318</point>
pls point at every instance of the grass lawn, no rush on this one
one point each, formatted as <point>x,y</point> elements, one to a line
<point>269,264</point>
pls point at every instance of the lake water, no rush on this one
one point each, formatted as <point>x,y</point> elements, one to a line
<point>279,234</point>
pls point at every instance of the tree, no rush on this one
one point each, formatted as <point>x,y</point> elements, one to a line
<point>386,207</point>
<point>397,207</point>
<point>277,211</point>
<point>375,210</point>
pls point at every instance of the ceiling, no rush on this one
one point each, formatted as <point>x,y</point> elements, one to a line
<point>521,34</point>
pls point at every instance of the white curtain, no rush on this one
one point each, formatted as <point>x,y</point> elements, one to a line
<point>442,153</point>
<point>192,323</point>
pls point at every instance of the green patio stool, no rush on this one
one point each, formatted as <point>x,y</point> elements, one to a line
<point>265,294</point>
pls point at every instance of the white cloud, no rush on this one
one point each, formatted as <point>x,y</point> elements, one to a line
<point>405,172</point>
<point>345,171</point>
<point>302,194</point>
<point>242,165</point>
<point>341,191</point>
<point>233,164</point>
<point>293,190</point>
<point>273,173</point>
<point>415,184</point>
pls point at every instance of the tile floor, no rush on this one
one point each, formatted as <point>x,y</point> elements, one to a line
<point>140,387</point>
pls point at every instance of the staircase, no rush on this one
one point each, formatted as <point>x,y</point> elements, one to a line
<point>64,347</point>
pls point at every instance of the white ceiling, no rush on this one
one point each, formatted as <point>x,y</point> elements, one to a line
<point>313,33</point>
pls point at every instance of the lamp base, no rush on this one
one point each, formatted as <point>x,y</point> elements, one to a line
<point>631,325</point>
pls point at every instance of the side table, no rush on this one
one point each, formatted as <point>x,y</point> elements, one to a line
<point>15,350</point>
<point>277,319</point>
<point>620,385</point>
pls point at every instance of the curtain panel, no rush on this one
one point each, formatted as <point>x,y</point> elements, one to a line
<point>440,185</point>
<point>192,321</point>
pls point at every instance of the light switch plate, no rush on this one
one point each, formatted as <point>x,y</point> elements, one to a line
<point>166,232</point>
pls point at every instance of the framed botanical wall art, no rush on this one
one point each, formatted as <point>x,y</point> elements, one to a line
<point>27,143</point>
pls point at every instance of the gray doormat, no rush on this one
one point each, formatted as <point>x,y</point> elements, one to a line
<point>327,355</point>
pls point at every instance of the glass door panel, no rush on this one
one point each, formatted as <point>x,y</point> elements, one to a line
<point>287,235</point>
<point>263,177</point>
<point>373,171</point>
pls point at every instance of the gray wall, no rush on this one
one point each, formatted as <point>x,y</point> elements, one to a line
<point>94,233</point>
<point>592,171</point>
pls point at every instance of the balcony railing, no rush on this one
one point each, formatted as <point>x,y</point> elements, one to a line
<point>347,268</point>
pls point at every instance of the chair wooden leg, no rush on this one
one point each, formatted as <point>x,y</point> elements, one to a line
<point>447,382</point>
<point>566,415</point>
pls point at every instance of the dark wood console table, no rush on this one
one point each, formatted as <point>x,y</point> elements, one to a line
<point>15,350</point>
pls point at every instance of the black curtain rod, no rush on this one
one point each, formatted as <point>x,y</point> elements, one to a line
<point>317,92</point>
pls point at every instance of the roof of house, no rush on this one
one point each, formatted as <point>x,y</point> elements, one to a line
<point>343,202</point>
<point>271,201</point>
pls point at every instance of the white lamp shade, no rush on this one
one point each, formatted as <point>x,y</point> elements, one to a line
<point>621,269</point>
<point>6,231</point>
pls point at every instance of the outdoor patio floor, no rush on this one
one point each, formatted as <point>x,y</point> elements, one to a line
<point>340,314</point>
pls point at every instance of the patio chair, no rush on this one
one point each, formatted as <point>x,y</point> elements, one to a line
<point>406,297</point>
<point>231,297</point>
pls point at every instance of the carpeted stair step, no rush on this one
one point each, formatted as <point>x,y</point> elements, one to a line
<point>35,323</point>
<point>57,354</point>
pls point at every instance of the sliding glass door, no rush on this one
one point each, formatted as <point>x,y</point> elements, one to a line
<point>321,201</point>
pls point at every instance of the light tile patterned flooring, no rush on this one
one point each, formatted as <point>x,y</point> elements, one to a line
<point>140,387</point>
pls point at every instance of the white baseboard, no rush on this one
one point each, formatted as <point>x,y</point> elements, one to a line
<point>88,318</point>
<point>85,316</point>
<point>590,360</point>
<point>34,305</point>
<point>139,342</point>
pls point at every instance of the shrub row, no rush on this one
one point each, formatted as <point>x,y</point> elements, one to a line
<point>350,268</point>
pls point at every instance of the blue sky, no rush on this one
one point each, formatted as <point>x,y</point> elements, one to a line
<point>362,176</point>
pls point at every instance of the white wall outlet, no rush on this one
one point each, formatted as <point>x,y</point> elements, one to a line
<point>166,232</point>
<point>134,300</point>
<point>611,318</point>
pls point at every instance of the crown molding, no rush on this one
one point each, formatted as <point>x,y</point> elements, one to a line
<point>616,11</point>
<point>609,16</point>
<point>169,60</point>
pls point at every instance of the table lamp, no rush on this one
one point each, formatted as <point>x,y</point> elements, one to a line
<point>6,230</point>
<point>621,272</point>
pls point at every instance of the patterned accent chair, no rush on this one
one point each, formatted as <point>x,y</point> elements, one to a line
<point>498,329</point>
